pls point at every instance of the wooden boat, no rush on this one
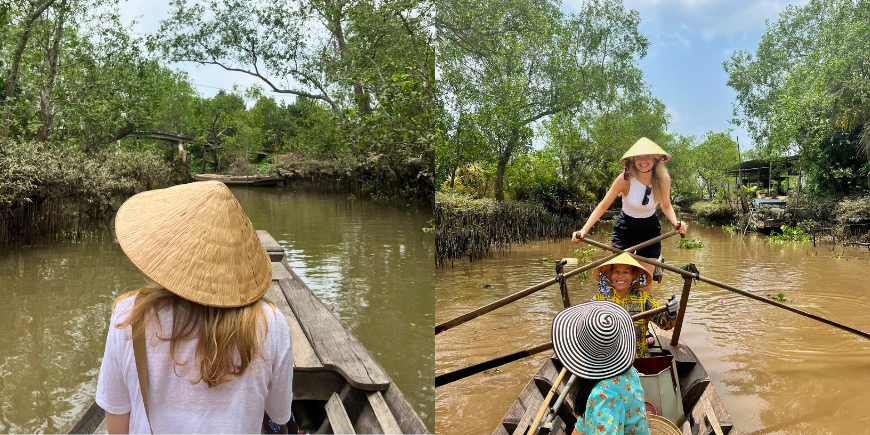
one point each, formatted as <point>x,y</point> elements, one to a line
<point>701,403</point>
<point>337,386</point>
<point>242,180</point>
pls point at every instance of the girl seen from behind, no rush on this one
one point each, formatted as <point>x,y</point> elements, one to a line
<point>211,353</point>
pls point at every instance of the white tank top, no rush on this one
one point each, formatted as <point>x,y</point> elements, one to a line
<point>632,204</point>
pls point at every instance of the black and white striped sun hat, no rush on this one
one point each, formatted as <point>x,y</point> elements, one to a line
<point>594,340</point>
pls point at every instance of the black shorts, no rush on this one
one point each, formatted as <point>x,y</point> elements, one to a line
<point>629,231</point>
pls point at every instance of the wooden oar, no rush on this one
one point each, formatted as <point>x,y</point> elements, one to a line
<point>686,273</point>
<point>456,321</point>
<point>546,403</point>
<point>465,372</point>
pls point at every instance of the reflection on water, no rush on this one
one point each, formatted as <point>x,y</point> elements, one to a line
<point>777,372</point>
<point>370,264</point>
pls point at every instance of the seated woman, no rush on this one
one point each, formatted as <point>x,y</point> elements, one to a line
<point>621,281</point>
<point>595,342</point>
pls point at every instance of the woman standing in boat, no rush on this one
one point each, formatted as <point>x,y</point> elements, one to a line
<point>620,281</point>
<point>199,350</point>
<point>644,184</point>
<point>595,342</point>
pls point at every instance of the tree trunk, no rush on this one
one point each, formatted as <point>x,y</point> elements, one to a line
<point>362,98</point>
<point>503,160</point>
<point>16,62</point>
<point>499,174</point>
<point>45,99</point>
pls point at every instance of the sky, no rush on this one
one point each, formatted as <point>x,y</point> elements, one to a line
<point>689,41</point>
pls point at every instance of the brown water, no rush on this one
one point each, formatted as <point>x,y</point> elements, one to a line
<point>777,372</point>
<point>370,264</point>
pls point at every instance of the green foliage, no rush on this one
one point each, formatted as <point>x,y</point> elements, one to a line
<point>789,234</point>
<point>806,89</point>
<point>512,63</point>
<point>363,73</point>
<point>44,189</point>
<point>853,211</point>
<point>779,297</point>
<point>690,244</point>
<point>730,228</point>
<point>714,211</point>
<point>584,256</point>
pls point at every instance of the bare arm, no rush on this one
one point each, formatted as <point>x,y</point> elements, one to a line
<point>668,209</point>
<point>619,186</point>
<point>118,423</point>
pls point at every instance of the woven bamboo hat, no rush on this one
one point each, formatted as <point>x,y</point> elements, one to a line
<point>659,425</point>
<point>196,241</point>
<point>637,271</point>
<point>643,147</point>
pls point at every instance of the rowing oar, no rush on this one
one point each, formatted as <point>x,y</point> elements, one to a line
<point>456,321</point>
<point>546,402</point>
<point>686,273</point>
<point>465,372</point>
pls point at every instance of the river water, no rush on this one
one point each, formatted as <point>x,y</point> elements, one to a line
<point>777,372</point>
<point>370,264</point>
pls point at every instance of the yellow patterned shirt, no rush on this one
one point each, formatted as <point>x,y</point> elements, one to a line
<point>635,302</point>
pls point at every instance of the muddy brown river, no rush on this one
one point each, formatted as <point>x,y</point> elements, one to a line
<point>370,264</point>
<point>777,372</point>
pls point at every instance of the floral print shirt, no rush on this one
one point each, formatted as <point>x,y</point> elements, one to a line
<point>615,406</point>
<point>635,302</point>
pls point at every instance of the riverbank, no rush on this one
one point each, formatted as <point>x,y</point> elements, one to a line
<point>471,229</point>
<point>50,192</point>
<point>379,179</point>
<point>468,228</point>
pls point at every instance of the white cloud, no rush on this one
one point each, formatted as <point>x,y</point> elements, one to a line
<point>675,116</point>
<point>707,18</point>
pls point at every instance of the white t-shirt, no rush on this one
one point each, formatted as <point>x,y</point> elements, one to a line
<point>176,405</point>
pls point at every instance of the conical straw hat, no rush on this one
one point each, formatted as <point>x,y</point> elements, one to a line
<point>643,147</point>
<point>196,241</point>
<point>622,259</point>
<point>659,425</point>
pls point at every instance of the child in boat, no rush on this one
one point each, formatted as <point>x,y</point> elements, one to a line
<point>215,353</point>
<point>644,184</point>
<point>621,281</point>
<point>595,342</point>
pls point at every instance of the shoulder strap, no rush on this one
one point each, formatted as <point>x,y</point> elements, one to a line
<point>141,362</point>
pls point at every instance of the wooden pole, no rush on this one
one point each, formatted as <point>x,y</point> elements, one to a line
<point>684,300</point>
<point>686,273</point>
<point>547,399</point>
<point>563,284</point>
<point>502,360</point>
<point>456,321</point>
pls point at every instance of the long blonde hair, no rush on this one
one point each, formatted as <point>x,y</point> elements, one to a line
<point>221,333</point>
<point>659,173</point>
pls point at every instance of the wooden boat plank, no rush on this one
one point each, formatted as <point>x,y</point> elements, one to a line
<point>337,416</point>
<point>273,248</point>
<point>304,357</point>
<point>698,414</point>
<point>335,347</point>
<point>404,414</point>
<point>367,422</point>
<point>383,414</point>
